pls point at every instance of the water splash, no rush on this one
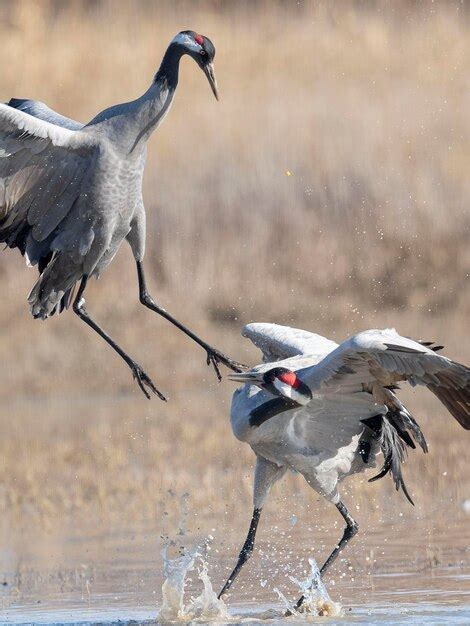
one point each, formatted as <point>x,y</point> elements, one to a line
<point>203,608</point>
<point>176,571</point>
<point>207,606</point>
<point>317,601</point>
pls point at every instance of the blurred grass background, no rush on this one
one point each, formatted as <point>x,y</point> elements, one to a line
<point>328,189</point>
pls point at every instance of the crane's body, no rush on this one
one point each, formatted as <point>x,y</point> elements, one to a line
<point>70,194</point>
<point>322,440</point>
<point>102,205</point>
<point>327,410</point>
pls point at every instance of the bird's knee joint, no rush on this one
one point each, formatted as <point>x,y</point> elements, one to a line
<point>79,306</point>
<point>146,299</point>
<point>353,529</point>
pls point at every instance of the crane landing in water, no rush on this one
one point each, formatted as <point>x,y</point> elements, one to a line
<point>70,194</point>
<point>327,410</point>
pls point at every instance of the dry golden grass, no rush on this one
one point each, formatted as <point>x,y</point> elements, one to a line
<point>366,107</point>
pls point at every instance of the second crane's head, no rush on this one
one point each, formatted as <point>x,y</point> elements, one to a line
<point>202,50</point>
<point>279,381</point>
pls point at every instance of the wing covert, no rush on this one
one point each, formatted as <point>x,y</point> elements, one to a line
<point>385,357</point>
<point>43,112</point>
<point>282,342</point>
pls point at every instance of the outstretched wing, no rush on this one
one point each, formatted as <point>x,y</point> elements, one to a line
<point>384,356</point>
<point>42,168</point>
<point>43,112</point>
<point>282,342</point>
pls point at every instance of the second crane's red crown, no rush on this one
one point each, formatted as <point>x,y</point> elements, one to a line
<point>290,378</point>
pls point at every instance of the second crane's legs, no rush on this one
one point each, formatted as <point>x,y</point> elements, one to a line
<point>143,380</point>
<point>214,356</point>
<point>247,549</point>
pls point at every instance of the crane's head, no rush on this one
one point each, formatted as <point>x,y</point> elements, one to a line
<point>202,50</point>
<point>279,381</point>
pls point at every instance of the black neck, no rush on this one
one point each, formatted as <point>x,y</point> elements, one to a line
<point>270,409</point>
<point>170,65</point>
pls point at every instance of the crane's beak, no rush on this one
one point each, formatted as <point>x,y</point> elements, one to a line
<point>209,72</point>
<point>252,378</point>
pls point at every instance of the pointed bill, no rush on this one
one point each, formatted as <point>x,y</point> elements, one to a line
<point>209,72</point>
<point>246,377</point>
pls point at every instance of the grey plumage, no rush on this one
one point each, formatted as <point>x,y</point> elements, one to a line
<point>70,197</point>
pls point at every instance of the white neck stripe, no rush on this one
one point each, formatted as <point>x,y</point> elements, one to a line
<point>289,392</point>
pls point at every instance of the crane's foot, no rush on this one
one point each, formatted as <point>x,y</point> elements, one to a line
<point>298,608</point>
<point>145,382</point>
<point>214,358</point>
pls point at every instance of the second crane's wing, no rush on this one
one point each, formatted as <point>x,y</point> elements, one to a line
<point>385,357</point>
<point>43,112</point>
<point>42,170</point>
<point>282,342</point>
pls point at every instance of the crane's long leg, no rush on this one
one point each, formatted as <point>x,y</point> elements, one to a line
<point>349,532</point>
<point>214,356</point>
<point>245,552</point>
<point>144,381</point>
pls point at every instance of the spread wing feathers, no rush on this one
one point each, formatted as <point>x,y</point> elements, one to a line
<point>42,168</point>
<point>385,357</point>
<point>396,430</point>
<point>393,446</point>
<point>43,112</point>
<point>400,417</point>
<point>282,342</point>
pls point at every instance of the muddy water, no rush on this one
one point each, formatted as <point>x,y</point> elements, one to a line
<point>117,578</point>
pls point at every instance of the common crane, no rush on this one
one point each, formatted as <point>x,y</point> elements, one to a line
<point>326,411</point>
<point>70,194</point>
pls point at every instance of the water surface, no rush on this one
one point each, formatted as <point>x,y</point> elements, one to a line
<point>116,578</point>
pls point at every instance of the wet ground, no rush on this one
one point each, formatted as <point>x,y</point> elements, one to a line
<point>116,578</point>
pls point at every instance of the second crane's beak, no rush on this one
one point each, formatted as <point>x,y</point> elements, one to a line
<point>209,72</point>
<point>252,378</point>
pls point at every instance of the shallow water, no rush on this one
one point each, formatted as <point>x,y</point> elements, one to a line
<point>415,570</point>
<point>117,579</point>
